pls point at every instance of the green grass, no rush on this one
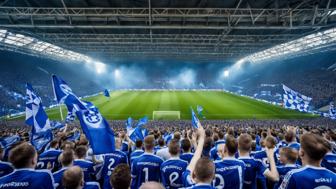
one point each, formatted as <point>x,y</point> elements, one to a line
<point>216,104</point>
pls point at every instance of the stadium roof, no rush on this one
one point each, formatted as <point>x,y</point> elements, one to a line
<point>187,29</point>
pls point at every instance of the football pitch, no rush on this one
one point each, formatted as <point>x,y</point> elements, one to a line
<point>216,104</point>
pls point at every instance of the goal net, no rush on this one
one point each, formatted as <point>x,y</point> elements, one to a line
<point>166,115</point>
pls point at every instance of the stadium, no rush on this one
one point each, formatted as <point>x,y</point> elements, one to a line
<point>168,94</point>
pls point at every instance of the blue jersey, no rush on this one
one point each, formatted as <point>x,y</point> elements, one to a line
<point>48,157</point>
<point>229,173</point>
<point>219,142</point>
<point>91,185</point>
<point>171,171</point>
<point>213,153</point>
<point>58,177</point>
<point>309,177</point>
<point>329,162</point>
<point>27,179</point>
<point>186,157</point>
<point>283,170</point>
<point>124,147</point>
<point>201,186</point>
<point>186,177</point>
<point>5,168</point>
<point>145,168</point>
<point>87,167</point>
<point>111,160</point>
<point>136,154</point>
<point>253,167</point>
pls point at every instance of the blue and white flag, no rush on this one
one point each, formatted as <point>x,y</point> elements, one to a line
<point>106,93</point>
<point>74,136</point>
<point>200,111</point>
<point>41,139</point>
<point>332,111</point>
<point>37,118</point>
<point>96,130</point>
<point>129,123</point>
<point>295,101</point>
<point>56,125</point>
<point>135,134</point>
<point>142,121</point>
<point>167,137</point>
<point>194,119</point>
<point>6,142</point>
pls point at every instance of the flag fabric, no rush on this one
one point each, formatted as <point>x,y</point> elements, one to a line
<point>6,142</point>
<point>135,134</point>
<point>37,118</point>
<point>167,137</point>
<point>129,123</point>
<point>194,119</point>
<point>56,125</point>
<point>96,129</point>
<point>74,136</point>
<point>142,121</point>
<point>41,139</point>
<point>106,93</point>
<point>200,111</point>
<point>295,101</point>
<point>332,111</point>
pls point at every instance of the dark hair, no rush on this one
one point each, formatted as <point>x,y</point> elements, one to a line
<point>121,177</point>
<point>314,146</point>
<point>80,151</point>
<point>185,145</point>
<point>138,143</point>
<point>67,157</point>
<point>231,145</point>
<point>54,144</point>
<point>174,147</point>
<point>204,169</point>
<point>161,141</point>
<point>289,136</point>
<point>21,155</point>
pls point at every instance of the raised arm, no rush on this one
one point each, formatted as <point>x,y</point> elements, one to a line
<point>273,173</point>
<point>199,148</point>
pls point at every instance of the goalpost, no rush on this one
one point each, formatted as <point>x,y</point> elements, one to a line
<point>166,115</point>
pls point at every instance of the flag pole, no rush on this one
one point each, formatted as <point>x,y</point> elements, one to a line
<point>60,107</point>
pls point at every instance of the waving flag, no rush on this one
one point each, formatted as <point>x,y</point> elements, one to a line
<point>37,118</point>
<point>135,134</point>
<point>295,101</point>
<point>56,125</point>
<point>96,129</point>
<point>200,111</point>
<point>6,142</point>
<point>106,93</point>
<point>142,121</point>
<point>129,123</point>
<point>194,119</point>
<point>74,136</point>
<point>332,111</point>
<point>167,137</point>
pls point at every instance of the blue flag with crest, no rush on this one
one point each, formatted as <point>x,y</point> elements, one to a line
<point>37,118</point>
<point>96,129</point>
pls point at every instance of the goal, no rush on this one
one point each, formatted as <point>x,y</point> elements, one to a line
<point>166,115</point>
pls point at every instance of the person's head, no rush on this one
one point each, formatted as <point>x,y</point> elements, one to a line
<point>174,148</point>
<point>231,146</point>
<point>121,177</point>
<point>66,158</point>
<point>220,135</point>
<point>204,171</point>
<point>270,142</point>
<point>177,136</point>
<point>122,135</point>
<point>54,144</point>
<point>80,152</point>
<point>23,156</point>
<point>151,185</point>
<point>138,144</point>
<point>288,155</point>
<point>73,178</point>
<point>161,142</point>
<point>313,148</point>
<point>290,136</point>
<point>149,143</point>
<point>186,145</point>
<point>68,145</point>
<point>244,143</point>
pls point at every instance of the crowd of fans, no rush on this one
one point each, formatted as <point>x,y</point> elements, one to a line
<point>219,154</point>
